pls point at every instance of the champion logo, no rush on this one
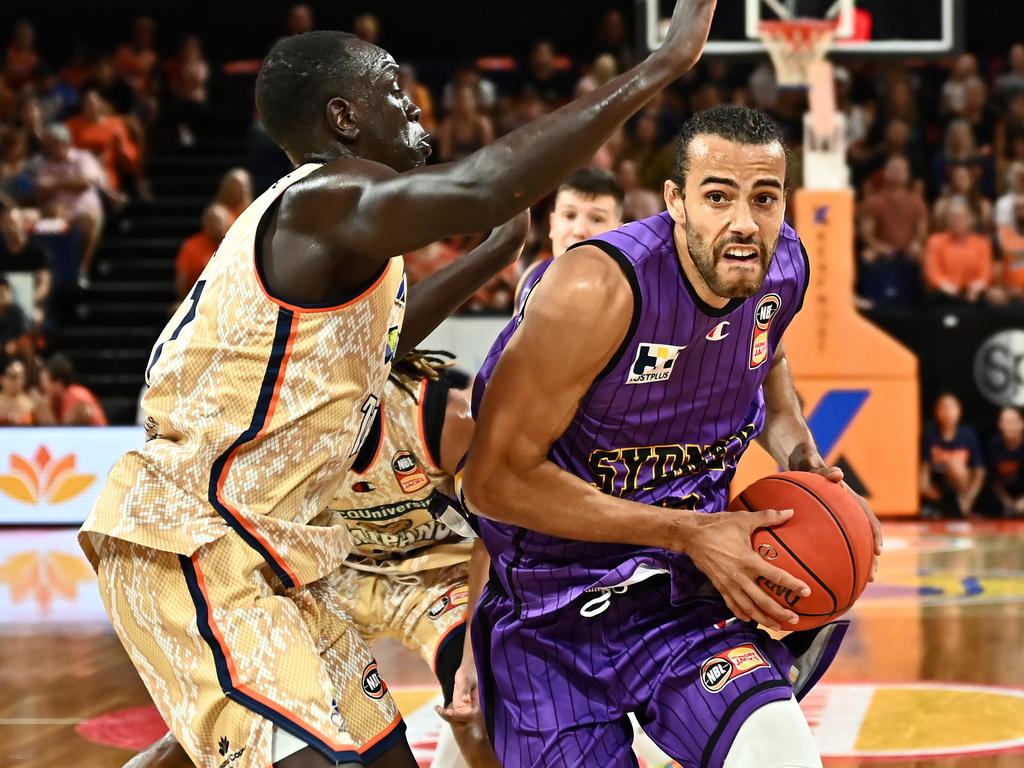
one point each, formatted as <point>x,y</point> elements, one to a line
<point>718,332</point>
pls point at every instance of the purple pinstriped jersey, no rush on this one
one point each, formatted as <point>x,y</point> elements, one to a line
<point>666,421</point>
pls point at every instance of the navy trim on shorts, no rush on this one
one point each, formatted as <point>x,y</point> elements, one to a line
<point>227,685</point>
<point>282,333</point>
<point>724,723</point>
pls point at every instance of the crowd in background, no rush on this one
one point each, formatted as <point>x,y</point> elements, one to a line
<point>936,151</point>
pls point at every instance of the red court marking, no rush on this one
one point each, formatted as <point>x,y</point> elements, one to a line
<point>134,728</point>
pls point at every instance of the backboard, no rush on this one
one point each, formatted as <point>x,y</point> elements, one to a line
<point>865,27</point>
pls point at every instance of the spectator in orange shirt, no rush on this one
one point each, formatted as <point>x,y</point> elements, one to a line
<point>21,54</point>
<point>196,252</point>
<point>235,192</point>
<point>1011,243</point>
<point>958,261</point>
<point>16,407</point>
<point>136,61</point>
<point>106,136</point>
<point>64,401</point>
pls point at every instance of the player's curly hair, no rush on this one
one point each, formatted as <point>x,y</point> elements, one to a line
<point>743,125</point>
<point>420,364</point>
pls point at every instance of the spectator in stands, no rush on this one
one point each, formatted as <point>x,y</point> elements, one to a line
<point>16,407</point>
<point>69,181</point>
<point>869,163</point>
<point>14,330</point>
<point>112,87</point>
<point>613,38</point>
<point>978,113</point>
<point>196,252</point>
<point>952,468</point>
<point>637,202</point>
<point>19,254</point>
<point>188,74</point>
<point>465,129</point>
<point>1011,83</point>
<point>78,67</point>
<point>21,59</point>
<point>954,90</point>
<point>299,20</point>
<point>962,185</point>
<point>1005,464</point>
<point>17,179</point>
<point>235,192</point>
<point>893,226</point>
<point>1010,128</point>
<point>958,261</point>
<point>57,99</point>
<point>105,135</point>
<point>467,74</point>
<point>28,119</point>
<point>643,146</point>
<point>1004,212</point>
<point>1011,242</point>
<point>544,77</point>
<point>136,61</point>
<point>420,95</point>
<point>65,401</point>
<point>961,148</point>
<point>366,27</point>
<point>601,71</point>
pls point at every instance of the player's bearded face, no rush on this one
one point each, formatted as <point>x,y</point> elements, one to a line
<point>727,276</point>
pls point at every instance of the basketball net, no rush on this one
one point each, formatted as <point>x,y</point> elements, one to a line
<point>798,48</point>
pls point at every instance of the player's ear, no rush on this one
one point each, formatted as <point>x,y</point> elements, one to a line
<point>341,119</point>
<point>674,201</point>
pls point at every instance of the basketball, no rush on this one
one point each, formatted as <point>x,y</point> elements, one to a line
<point>827,543</point>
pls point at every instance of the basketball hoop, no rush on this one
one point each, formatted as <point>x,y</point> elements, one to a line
<point>794,45</point>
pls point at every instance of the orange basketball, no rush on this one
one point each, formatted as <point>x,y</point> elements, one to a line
<point>827,543</point>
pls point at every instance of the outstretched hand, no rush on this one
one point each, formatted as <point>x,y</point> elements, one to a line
<point>688,31</point>
<point>511,236</point>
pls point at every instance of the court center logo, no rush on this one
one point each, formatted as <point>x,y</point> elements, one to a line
<point>999,368</point>
<point>767,308</point>
<point>653,362</point>
<point>41,479</point>
<point>373,684</point>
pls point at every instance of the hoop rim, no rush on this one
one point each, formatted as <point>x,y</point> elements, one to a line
<point>789,28</point>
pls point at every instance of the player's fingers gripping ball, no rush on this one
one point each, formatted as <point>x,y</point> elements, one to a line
<point>827,543</point>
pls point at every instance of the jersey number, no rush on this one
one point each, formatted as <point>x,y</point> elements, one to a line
<point>193,298</point>
<point>369,411</point>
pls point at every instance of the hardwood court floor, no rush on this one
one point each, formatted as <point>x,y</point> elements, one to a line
<point>931,675</point>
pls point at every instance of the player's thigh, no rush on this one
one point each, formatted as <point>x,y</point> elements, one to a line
<point>710,686</point>
<point>774,736</point>
<point>433,623</point>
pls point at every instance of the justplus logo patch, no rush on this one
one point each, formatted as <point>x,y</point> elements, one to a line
<point>653,362</point>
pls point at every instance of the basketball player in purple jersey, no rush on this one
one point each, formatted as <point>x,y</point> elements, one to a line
<point>611,415</point>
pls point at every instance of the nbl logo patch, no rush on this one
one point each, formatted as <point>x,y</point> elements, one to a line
<point>718,671</point>
<point>767,308</point>
<point>373,684</point>
<point>653,362</point>
<point>410,476</point>
<point>452,599</point>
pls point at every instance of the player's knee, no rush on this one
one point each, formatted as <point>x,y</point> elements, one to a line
<point>774,736</point>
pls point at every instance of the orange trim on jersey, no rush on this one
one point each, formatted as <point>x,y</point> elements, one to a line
<point>233,674</point>
<point>242,520</point>
<point>310,310</point>
<point>420,418</point>
<point>380,442</point>
<point>440,640</point>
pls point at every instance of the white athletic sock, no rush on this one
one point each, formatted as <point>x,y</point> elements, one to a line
<point>284,744</point>
<point>774,736</point>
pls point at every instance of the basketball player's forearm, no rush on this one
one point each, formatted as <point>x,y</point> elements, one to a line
<point>786,435</point>
<point>479,566</point>
<point>438,296</point>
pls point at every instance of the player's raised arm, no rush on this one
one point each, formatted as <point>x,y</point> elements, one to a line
<point>577,319</point>
<point>379,214</point>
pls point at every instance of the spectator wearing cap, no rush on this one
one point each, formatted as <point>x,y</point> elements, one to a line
<point>65,401</point>
<point>952,467</point>
<point>16,407</point>
<point>69,181</point>
<point>958,261</point>
<point>1005,463</point>
<point>19,254</point>
<point>195,253</point>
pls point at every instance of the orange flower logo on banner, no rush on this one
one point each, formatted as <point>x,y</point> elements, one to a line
<point>42,576</point>
<point>41,479</point>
